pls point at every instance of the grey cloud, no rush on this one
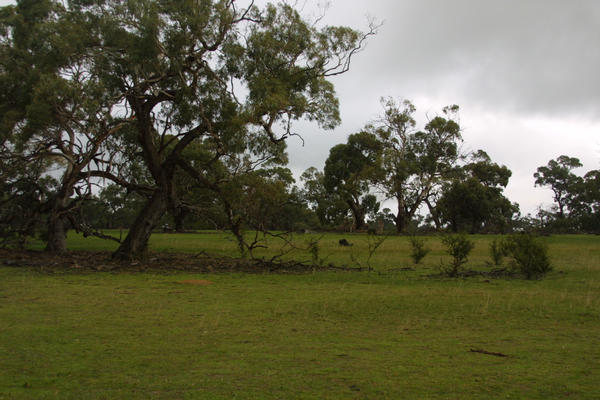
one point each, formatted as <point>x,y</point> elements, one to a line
<point>523,56</point>
<point>525,74</point>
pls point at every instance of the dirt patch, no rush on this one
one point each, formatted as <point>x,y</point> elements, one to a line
<point>86,261</point>
<point>469,273</point>
<point>198,282</point>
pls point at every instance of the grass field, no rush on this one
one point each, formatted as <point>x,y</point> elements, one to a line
<point>389,334</point>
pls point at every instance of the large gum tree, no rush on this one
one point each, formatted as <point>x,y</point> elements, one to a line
<point>200,71</point>
<point>415,162</point>
<point>54,110</point>
<point>349,172</point>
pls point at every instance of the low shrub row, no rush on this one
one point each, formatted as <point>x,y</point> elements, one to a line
<point>528,254</point>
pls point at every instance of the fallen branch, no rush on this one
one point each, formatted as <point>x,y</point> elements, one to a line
<point>491,353</point>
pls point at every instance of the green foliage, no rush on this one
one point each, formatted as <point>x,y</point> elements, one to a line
<point>313,249</point>
<point>330,209</point>
<point>473,200</point>
<point>350,170</point>
<point>530,255</point>
<point>418,250</point>
<point>497,251</point>
<point>458,246</point>
<point>563,183</point>
<point>586,204</point>
<point>357,255</point>
<point>198,56</point>
<point>23,192</point>
<point>102,83</point>
<point>373,242</point>
<point>576,198</point>
<point>55,109</point>
<point>414,163</point>
<point>113,208</point>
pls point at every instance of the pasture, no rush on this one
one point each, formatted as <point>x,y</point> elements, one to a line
<point>399,331</point>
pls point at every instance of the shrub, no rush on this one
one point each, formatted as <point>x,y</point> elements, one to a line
<point>459,247</point>
<point>314,249</point>
<point>497,251</point>
<point>529,255</point>
<point>418,251</point>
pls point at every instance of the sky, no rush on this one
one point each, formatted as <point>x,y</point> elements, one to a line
<point>525,73</point>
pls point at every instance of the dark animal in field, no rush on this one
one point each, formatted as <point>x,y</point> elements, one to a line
<point>344,242</point>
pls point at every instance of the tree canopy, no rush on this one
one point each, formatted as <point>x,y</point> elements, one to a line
<point>349,171</point>
<point>576,198</point>
<point>473,200</point>
<point>144,114</point>
<point>558,176</point>
<point>414,162</point>
<point>151,78</point>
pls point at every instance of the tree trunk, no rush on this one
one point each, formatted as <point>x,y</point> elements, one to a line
<point>358,214</point>
<point>454,225</point>
<point>401,219</point>
<point>57,233</point>
<point>179,215</point>
<point>135,244</point>
<point>434,215</point>
<point>57,222</point>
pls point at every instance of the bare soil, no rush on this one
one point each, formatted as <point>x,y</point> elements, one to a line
<point>86,261</point>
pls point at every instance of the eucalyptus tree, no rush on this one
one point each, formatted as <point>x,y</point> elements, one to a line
<point>350,171</point>
<point>416,162</point>
<point>235,182</point>
<point>589,198</point>
<point>256,200</point>
<point>577,199</point>
<point>82,80</point>
<point>558,175</point>
<point>24,60</point>
<point>54,110</point>
<point>23,191</point>
<point>474,201</point>
<point>329,208</point>
<point>212,72</point>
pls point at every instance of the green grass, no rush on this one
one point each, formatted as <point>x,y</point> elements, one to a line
<point>346,335</point>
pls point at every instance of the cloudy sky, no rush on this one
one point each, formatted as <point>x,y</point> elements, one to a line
<point>525,73</point>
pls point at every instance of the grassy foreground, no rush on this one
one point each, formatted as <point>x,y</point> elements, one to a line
<point>347,335</point>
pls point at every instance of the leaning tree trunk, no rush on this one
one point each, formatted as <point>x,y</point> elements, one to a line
<point>135,244</point>
<point>435,215</point>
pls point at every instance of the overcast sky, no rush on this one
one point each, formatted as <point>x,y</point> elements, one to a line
<point>525,73</point>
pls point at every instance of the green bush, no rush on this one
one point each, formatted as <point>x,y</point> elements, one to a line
<point>530,255</point>
<point>459,247</point>
<point>418,251</point>
<point>497,251</point>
